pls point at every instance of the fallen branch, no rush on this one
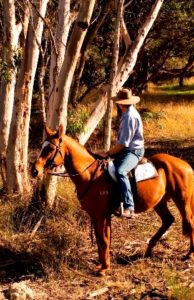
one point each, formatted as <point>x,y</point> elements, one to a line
<point>36,227</point>
<point>98,292</point>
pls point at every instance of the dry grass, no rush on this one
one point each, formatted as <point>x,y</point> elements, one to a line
<point>168,121</point>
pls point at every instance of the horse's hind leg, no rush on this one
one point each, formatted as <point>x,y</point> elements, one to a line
<point>186,208</point>
<point>167,220</point>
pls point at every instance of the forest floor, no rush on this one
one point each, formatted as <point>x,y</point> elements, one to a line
<point>164,276</point>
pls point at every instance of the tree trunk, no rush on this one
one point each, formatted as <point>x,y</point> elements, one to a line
<point>17,151</point>
<point>57,58</point>
<point>58,52</point>
<point>59,114</point>
<point>111,91</point>
<point>8,79</point>
<point>96,114</point>
<point>61,76</point>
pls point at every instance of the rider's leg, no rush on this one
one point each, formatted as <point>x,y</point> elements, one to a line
<point>123,165</point>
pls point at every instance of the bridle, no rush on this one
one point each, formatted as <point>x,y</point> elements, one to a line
<point>52,165</point>
<point>57,150</point>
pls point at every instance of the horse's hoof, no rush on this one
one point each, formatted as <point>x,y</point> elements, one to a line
<point>99,267</point>
<point>101,273</point>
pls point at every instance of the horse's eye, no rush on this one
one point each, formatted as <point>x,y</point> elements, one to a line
<point>47,150</point>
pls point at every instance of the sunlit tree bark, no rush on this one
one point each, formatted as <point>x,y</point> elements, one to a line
<point>59,112</point>
<point>63,65</point>
<point>64,20</point>
<point>8,78</point>
<point>17,150</point>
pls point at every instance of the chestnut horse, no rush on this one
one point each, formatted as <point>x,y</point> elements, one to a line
<point>97,191</point>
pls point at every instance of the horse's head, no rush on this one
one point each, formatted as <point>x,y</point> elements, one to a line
<point>52,152</point>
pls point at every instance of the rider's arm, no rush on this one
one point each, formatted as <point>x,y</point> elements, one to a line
<point>115,149</point>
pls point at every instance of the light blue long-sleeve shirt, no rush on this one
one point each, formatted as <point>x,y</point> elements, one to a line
<point>130,132</point>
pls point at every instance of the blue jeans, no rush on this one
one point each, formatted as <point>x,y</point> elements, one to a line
<point>124,162</point>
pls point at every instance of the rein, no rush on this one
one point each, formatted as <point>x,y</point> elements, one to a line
<point>66,174</point>
<point>90,182</point>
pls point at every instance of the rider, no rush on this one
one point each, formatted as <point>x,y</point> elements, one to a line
<point>129,148</point>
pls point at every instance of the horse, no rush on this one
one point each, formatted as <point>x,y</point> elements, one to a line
<point>97,192</point>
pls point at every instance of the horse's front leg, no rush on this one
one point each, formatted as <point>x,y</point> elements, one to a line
<point>102,232</point>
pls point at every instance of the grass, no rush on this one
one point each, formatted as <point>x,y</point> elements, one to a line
<point>173,121</point>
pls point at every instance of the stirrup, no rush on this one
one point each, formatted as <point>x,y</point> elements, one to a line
<point>119,211</point>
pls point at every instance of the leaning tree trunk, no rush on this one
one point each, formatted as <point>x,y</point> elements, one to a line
<point>124,71</point>
<point>8,79</point>
<point>17,151</point>
<point>131,56</point>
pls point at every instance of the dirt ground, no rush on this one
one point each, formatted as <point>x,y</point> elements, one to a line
<point>164,276</point>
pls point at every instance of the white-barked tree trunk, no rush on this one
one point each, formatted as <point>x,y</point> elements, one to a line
<point>17,150</point>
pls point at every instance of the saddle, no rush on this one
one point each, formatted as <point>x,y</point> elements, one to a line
<point>143,171</point>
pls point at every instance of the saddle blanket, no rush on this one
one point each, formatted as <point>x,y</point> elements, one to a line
<point>142,171</point>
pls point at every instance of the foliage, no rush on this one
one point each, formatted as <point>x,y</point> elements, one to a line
<point>76,120</point>
<point>161,49</point>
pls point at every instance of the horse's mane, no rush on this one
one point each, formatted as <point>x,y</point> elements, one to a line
<point>76,143</point>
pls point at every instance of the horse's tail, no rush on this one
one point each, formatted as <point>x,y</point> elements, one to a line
<point>192,200</point>
<point>188,223</point>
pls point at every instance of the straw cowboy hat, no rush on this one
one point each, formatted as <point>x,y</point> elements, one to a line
<point>125,97</point>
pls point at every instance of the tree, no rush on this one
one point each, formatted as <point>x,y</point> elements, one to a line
<point>59,111</point>
<point>17,151</point>
<point>112,84</point>
<point>11,33</point>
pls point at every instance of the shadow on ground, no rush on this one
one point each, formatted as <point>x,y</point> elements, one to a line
<point>18,266</point>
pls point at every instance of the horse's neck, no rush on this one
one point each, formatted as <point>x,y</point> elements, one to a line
<point>78,162</point>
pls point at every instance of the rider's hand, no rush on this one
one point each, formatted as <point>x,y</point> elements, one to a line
<point>103,154</point>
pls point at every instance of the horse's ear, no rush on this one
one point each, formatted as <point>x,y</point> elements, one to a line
<point>60,130</point>
<point>48,131</point>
